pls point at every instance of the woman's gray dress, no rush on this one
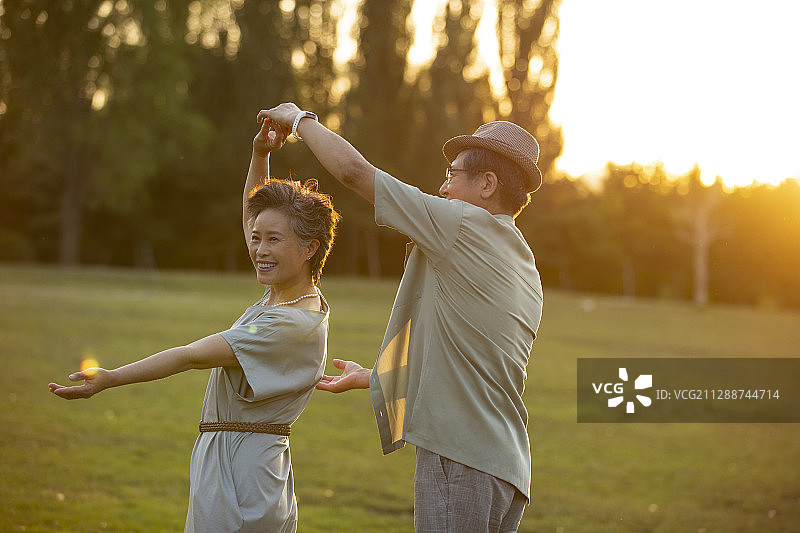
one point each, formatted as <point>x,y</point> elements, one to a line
<point>243,481</point>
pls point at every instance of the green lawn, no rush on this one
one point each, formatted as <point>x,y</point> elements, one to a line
<point>120,461</point>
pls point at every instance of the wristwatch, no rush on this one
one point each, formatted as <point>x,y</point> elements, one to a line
<point>301,115</point>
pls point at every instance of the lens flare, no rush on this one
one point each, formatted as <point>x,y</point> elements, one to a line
<point>89,366</point>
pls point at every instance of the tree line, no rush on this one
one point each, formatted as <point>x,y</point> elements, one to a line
<point>641,232</point>
<point>126,128</point>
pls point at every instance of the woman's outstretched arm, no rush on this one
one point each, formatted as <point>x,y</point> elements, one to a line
<point>209,352</point>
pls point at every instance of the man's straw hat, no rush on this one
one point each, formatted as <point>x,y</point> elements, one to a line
<point>507,139</point>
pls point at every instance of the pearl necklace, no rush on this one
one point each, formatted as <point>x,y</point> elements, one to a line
<point>290,302</point>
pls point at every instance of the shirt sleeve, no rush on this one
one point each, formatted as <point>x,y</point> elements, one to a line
<point>279,351</point>
<point>430,221</point>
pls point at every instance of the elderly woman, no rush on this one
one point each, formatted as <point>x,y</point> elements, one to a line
<point>264,368</point>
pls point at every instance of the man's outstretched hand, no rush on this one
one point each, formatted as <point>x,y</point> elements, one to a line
<point>354,376</point>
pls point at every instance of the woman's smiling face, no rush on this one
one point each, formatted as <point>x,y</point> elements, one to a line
<point>277,254</point>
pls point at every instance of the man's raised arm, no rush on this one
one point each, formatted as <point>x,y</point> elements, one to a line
<point>337,155</point>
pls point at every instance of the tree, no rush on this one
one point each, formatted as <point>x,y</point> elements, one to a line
<point>527,34</point>
<point>697,225</point>
<point>756,259</point>
<point>444,102</point>
<point>81,76</point>
<point>242,64</point>
<point>376,114</point>
<point>635,200</point>
<point>47,62</point>
<point>570,235</point>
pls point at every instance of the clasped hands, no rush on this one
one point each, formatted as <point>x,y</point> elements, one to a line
<point>276,126</point>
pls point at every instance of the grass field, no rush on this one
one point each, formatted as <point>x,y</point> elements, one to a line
<point>120,461</point>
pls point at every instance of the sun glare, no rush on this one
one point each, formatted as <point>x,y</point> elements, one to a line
<point>347,15</point>
<point>88,364</point>
<point>421,22</point>
<point>99,99</point>
<point>644,82</point>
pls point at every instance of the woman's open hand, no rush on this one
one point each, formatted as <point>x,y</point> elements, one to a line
<point>271,136</point>
<point>94,381</point>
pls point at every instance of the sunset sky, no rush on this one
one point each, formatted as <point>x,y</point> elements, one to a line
<point>712,82</point>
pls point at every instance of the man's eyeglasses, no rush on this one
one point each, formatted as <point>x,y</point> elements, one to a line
<point>449,172</point>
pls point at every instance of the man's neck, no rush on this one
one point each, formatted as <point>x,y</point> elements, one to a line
<point>493,208</point>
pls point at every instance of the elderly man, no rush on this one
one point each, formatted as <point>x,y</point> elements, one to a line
<point>452,367</point>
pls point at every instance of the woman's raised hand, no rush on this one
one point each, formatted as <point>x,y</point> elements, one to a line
<point>94,381</point>
<point>271,136</point>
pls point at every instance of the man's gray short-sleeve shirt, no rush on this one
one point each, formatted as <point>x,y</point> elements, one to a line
<point>452,367</point>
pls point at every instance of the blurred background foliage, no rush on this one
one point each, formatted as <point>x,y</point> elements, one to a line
<point>126,128</point>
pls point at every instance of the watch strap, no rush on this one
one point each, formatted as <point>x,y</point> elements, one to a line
<point>301,115</point>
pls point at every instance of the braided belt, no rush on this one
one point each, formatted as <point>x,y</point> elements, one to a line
<point>247,427</point>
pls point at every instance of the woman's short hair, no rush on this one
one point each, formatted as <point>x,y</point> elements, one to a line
<point>311,214</point>
<point>514,195</point>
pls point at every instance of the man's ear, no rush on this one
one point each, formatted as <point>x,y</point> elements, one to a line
<point>488,184</point>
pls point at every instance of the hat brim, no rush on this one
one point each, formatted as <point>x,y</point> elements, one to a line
<point>533,176</point>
